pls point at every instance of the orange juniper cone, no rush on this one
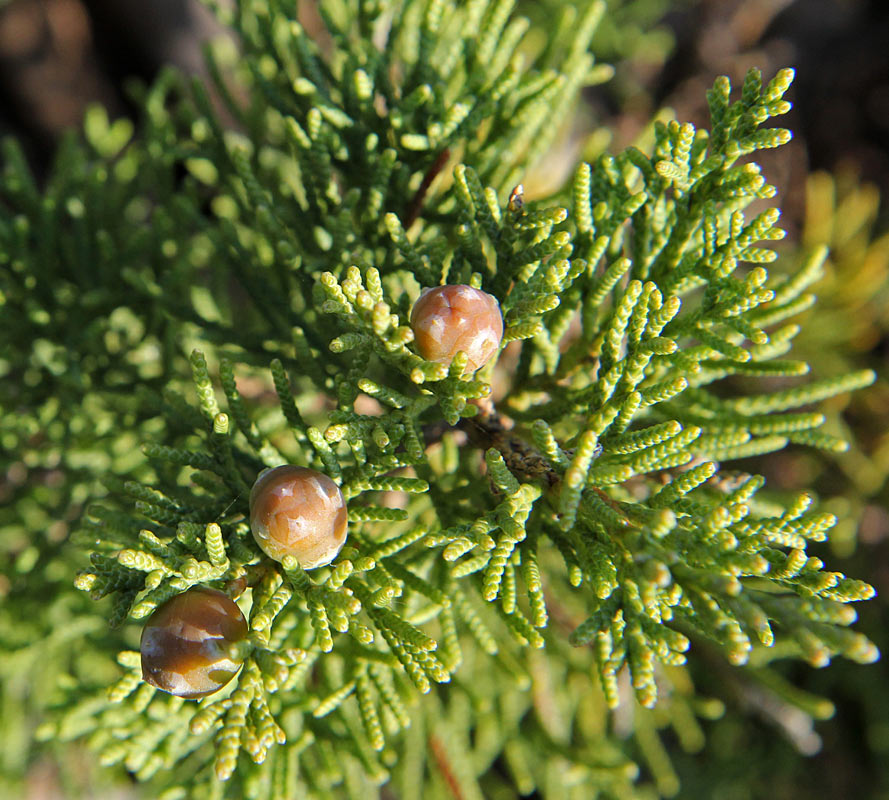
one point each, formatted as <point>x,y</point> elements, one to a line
<point>185,643</point>
<point>447,319</point>
<point>296,511</point>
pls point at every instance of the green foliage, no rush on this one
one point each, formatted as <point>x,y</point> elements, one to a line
<point>584,526</point>
<point>854,281</point>
<point>849,323</point>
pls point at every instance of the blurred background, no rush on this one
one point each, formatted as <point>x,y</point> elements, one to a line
<point>59,56</point>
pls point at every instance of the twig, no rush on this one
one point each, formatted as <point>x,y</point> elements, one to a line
<point>444,764</point>
<point>416,204</point>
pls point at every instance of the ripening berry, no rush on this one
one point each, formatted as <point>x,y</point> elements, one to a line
<point>295,511</point>
<point>186,643</point>
<point>448,319</point>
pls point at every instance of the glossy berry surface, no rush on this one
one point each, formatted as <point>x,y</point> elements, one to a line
<point>448,319</point>
<point>298,512</point>
<point>185,643</point>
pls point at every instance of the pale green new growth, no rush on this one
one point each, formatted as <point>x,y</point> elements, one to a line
<point>592,505</point>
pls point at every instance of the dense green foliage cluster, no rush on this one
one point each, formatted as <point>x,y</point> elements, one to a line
<point>549,554</point>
